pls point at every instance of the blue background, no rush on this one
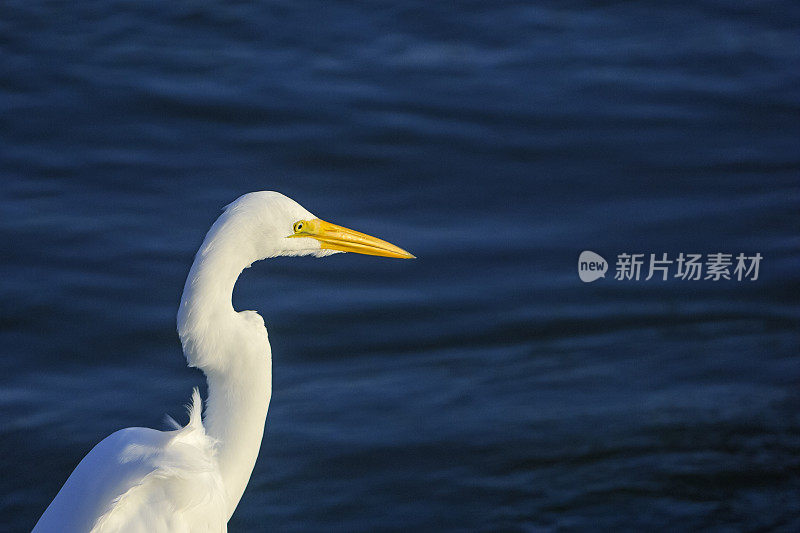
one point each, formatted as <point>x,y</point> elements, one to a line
<point>481,387</point>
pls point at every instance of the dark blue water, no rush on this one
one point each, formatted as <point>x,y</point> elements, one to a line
<point>482,387</point>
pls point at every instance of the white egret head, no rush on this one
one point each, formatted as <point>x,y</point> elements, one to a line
<point>269,224</point>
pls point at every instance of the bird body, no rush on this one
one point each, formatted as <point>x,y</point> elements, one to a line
<point>143,480</point>
<point>192,478</point>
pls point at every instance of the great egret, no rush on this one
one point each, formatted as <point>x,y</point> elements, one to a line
<point>191,479</point>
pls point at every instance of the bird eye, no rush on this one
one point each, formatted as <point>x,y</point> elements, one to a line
<point>298,227</point>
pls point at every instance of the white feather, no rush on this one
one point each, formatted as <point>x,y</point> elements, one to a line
<point>143,480</point>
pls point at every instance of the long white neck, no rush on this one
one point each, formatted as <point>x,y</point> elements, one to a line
<point>233,351</point>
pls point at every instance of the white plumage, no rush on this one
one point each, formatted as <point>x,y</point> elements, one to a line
<point>191,479</point>
<point>144,480</point>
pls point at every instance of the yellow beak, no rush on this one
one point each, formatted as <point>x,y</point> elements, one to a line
<point>333,237</point>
